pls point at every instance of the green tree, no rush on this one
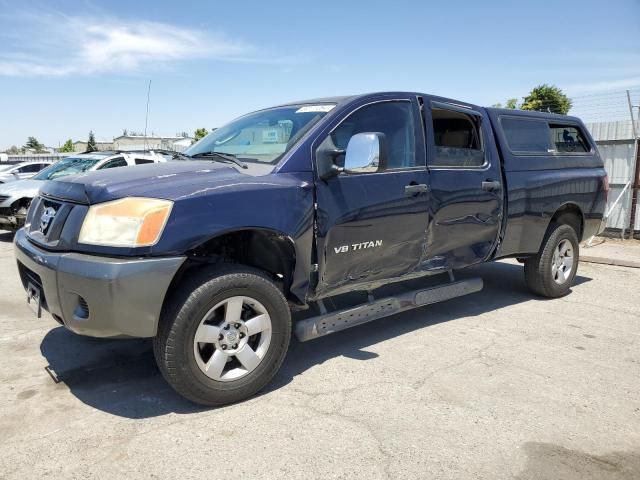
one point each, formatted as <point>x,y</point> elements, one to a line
<point>91,143</point>
<point>34,144</point>
<point>200,133</point>
<point>547,98</point>
<point>67,147</point>
<point>512,103</point>
<point>13,150</point>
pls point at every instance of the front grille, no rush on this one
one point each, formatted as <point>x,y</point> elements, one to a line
<point>47,218</point>
<point>5,211</point>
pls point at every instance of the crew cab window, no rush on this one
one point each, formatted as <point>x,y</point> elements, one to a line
<point>394,119</point>
<point>457,139</point>
<point>143,161</point>
<point>568,139</point>
<point>116,162</point>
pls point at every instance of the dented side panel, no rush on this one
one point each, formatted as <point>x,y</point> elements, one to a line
<point>465,218</point>
<point>368,229</point>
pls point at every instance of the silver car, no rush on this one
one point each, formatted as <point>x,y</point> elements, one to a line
<point>15,197</point>
<point>21,171</point>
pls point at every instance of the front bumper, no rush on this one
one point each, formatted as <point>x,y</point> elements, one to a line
<point>98,296</point>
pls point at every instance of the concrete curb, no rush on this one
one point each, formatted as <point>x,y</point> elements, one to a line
<point>610,261</point>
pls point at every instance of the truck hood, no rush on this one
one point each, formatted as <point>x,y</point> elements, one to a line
<point>170,180</point>
<point>21,188</point>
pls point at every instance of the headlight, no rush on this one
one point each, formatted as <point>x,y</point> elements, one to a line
<point>130,222</point>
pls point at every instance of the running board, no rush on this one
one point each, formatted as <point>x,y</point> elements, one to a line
<point>331,322</point>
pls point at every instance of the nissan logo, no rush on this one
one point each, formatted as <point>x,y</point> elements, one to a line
<point>45,219</point>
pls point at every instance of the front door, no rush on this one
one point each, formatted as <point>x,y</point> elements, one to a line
<point>372,226</point>
<point>466,191</point>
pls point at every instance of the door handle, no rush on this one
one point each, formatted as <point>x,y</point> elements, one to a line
<point>489,186</point>
<point>415,189</point>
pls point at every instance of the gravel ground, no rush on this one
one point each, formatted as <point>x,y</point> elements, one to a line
<point>495,385</point>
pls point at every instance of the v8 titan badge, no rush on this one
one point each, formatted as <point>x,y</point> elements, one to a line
<point>358,246</point>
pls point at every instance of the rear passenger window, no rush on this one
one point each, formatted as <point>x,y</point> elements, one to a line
<point>34,167</point>
<point>457,139</point>
<point>526,136</point>
<point>568,138</point>
<point>115,163</point>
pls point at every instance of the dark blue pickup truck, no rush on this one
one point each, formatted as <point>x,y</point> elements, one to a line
<point>286,206</point>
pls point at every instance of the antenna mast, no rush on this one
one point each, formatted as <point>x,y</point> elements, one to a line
<point>146,118</point>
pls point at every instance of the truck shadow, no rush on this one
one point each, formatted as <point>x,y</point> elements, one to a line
<point>120,376</point>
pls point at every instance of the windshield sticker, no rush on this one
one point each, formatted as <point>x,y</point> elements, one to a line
<point>315,108</point>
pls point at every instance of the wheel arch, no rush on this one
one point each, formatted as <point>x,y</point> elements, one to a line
<point>266,249</point>
<point>569,213</point>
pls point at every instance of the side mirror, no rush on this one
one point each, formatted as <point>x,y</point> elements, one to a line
<point>366,153</point>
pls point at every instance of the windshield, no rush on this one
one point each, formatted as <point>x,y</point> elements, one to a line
<point>264,136</point>
<point>68,166</point>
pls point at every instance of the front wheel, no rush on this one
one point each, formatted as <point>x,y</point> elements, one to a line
<point>223,335</point>
<point>552,271</point>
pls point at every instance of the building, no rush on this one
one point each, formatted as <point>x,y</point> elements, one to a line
<point>139,142</point>
<point>81,146</point>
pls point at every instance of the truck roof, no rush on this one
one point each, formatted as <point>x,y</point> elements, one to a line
<point>532,113</point>
<point>502,111</point>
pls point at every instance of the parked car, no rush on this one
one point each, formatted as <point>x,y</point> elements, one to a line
<point>288,206</point>
<point>21,171</point>
<point>16,197</point>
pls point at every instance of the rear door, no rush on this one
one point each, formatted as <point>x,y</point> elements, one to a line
<point>466,191</point>
<point>372,226</point>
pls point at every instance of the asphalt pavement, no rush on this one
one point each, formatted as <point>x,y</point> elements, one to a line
<point>496,385</point>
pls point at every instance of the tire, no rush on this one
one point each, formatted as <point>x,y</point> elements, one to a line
<point>541,272</point>
<point>200,308</point>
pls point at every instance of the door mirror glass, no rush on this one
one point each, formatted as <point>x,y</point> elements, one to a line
<point>365,153</point>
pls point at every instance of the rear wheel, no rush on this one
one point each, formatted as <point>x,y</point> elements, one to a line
<point>552,271</point>
<point>223,335</point>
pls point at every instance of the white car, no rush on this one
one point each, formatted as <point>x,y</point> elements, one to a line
<point>21,171</point>
<point>16,197</point>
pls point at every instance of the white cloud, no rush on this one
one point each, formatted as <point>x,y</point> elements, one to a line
<point>59,45</point>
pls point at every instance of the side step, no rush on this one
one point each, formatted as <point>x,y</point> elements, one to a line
<point>331,322</point>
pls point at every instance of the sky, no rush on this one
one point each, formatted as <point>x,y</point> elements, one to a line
<point>67,67</point>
